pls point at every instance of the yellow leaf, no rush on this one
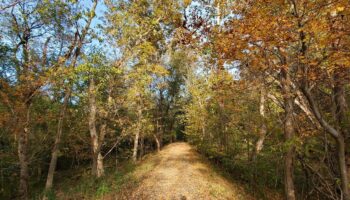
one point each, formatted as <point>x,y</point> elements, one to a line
<point>340,8</point>
<point>187,2</point>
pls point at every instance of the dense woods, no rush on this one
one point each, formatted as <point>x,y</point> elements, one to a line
<point>260,88</point>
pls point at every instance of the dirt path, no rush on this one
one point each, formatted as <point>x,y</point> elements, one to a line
<point>181,174</point>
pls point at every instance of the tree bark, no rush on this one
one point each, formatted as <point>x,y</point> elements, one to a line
<point>23,161</point>
<point>99,169</point>
<point>288,134</point>
<point>263,129</point>
<point>97,159</point>
<point>136,142</point>
<point>341,106</point>
<point>343,167</point>
<point>160,137</point>
<point>156,134</point>
<point>157,142</point>
<point>137,135</point>
<point>142,147</point>
<point>55,149</point>
<point>341,119</point>
<point>23,156</point>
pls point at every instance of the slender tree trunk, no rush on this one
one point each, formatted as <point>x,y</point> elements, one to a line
<point>92,125</point>
<point>137,135</point>
<point>55,149</point>
<point>343,168</point>
<point>22,154</point>
<point>160,133</point>
<point>204,134</point>
<point>136,143</point>
<point>341,106</point>
<point>156,135</point>
<point>23,161</point>
<point>97,159</point>
<point>160,139</point>
<point>263,129</point>
<point>262,134</point>
<point>288,134</point>
<point>157,142</point>
<point>341,118</point>
<point>23,140</point>
<point>23,157</point>
<point>99,165</point>
<point>142,147</point>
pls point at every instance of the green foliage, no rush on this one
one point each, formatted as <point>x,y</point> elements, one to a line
<point>102,190</point>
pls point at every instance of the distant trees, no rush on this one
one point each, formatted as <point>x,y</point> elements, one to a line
<point>144,45</point>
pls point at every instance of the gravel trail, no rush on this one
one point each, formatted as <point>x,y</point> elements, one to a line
<point>181,174</point>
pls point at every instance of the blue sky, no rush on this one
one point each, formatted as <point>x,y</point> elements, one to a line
<point>101,10</point>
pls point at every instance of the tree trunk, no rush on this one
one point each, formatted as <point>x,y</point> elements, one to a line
<point>23,157</point>
<point>142,147</point>
<point>341,107</point>
<point>136,143</point>
<point>97,159</point>
<point>343,168</point>
<point>288,134</point>
<point>263,129</point>
<point>160,139</point>
<point>341,119</point>
<point>55,149</point>
<point>157,142</point>
<point>97,167</point>
<point>23,162</point>
<point>137,135</point>
<point>156,135</point>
